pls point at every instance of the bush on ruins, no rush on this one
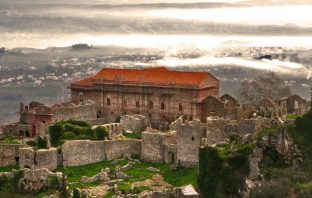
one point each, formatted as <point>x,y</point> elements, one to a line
<point>74,130</point>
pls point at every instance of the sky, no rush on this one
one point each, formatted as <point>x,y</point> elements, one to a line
<point>160,23</point>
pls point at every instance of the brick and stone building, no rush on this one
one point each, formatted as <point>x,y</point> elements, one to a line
<point>158,93</point>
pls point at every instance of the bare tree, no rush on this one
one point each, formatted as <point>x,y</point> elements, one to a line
<point>270,86</point>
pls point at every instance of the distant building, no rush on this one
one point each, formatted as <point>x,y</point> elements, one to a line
<point>161,94</point>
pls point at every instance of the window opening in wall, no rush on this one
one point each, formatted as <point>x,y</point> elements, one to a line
<point>108,101</point>
<point>137,104</point>
<point>193,138</point>
<point>180,107</point>
<point>162,106</point>
<point>151,104</point>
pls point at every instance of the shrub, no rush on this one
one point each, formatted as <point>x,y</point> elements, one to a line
<point>42,142</point>
<point>78,123</point>
<point>55,132</point>
<point>31,143</point>
<point>53,182</point>
<point>100,133</point>
<point>68,135</point>
<point>117,120</point>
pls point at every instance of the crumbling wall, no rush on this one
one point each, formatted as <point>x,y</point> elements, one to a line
<point>27,158</point>
<point>46,158</point>
<point>155,146</point>
<point>189,135</point>
<point>152,147</point>
<point>42,158</point>
<point>113,129</point>
<point>135,123</point>
<point>84,112</point>
<point>253,126</point>
<point>8,154</point>
<point>219,130</point>
<point>82,152</point>
<point>16,129</point>
<point>119,148</point>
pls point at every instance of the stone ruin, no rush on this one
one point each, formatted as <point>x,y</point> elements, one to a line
<point>34,181</point>
<point>135,123</point>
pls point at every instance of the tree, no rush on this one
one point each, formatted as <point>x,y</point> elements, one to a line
<point>270,86</point>
<point>100,133</point>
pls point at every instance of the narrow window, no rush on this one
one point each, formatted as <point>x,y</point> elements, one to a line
<point>151,104</point>
<point>137,104</point>
<point>180,107</point>
<point>125,103</point>
<point>108,102</point>
<point>162,106</point>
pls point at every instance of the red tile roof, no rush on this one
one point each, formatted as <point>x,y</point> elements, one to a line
<point>148,76</point>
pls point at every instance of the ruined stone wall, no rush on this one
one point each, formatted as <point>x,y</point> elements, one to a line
<point>254,125</point>
<point>82,112</point>
<point>189,135</point>
<point>135,123</point>
<point>113,129</point>
<point>119,148</point>
<point>219,130</point>
<point>17,129</point>
<point>8,154</point>
<point>82,152</point>
<point>42,158</point>
<point>156,146</point>
<point>152,147</point>
<point>46,158</point>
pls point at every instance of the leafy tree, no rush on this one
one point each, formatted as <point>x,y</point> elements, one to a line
<point>42,142</point>
<point>55,131</point>
<point>270,86</point>
<point>100,133</point>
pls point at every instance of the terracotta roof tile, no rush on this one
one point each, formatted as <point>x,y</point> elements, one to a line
<point>149,76</point>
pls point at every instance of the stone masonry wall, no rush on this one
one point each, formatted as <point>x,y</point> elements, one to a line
<point>8,154</point>
<point>82,152</point>
<point>119,148</point>
<point>189,135</point>
<point>42,158</point>
<point>152,147</point>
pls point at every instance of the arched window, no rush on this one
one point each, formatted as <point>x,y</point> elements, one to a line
<point>151,104</point>
<point>108,101</point>
<point>180,107</point>
<point>125,102</point>
<point>137,104</point>
<point>162,105</point>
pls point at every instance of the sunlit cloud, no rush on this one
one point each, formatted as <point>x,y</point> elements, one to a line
<point>270,15</point>
<point>208,61</point>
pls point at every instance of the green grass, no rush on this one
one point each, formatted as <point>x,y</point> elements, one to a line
<point>9,168</point>
<point>133,135</point>
<point>179,177</point>
<point>10,140</point>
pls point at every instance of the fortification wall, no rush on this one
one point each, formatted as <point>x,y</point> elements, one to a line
<point>82,152</point>
<point>8,154</point>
